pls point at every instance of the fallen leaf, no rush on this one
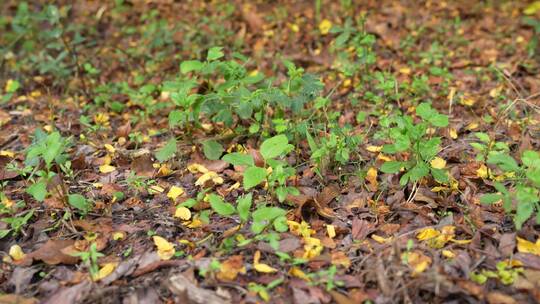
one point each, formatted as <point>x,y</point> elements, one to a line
<point>427,233</point>
<point>417,260</point>
<point>260,267</point>
<point>371,177</point>
<point>106,168</point>
<point>230,268</point>
<point>525,246</point>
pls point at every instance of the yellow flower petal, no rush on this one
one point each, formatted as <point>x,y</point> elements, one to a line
<point>448,254</point>
<point>482,172</point>
<point>197,168</point>
<point>118,235</point>
<point>438,163</point>
<point>175,192</point>
<point>9,154</point>
<point>297,272</point>
<point>183,213</point>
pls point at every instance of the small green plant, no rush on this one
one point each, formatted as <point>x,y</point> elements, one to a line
<point>521,193</point>
<point>262,217</point>
<point>280,171</point>
<point>505,273</point>
<point>408,137</point>
<point>90,259</point>
<point>486,146</point>
<point>326,277</point>
<point>16,223</point>
<point>533,47</point>
<point>49,150</point>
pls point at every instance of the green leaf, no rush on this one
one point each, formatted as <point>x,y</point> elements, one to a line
<point>239,159</point>
<point>219,206</point>
<point>38,190</point>
<point>280,224</point>
<point>268,213</point>
<point>419,171</point>
<point>275,146</point>
<point>12,86</point>
<point>212,149</point>
<point>167,151</point>
<point>503,161</point>
<point>523,213</point>
<point>78,201</point>
<point>243,206</point>
<point>253,176</point>
<point>175,118</point>
<point>482,137</point>
<point>490,198</point>
<point>440,175</point>
<point>215,53</point>
<point>191,65</point>
<point>439,120</point>
<point>391,167</point>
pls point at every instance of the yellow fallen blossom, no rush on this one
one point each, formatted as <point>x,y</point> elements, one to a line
<point>380,239</point>
<point>427,234</point>
<point>105,271</point>
<point>300,229</point>
<point>197,168</point>
<point>260,267</point>
<point>165,249</point>
<point>438,163</point>
<point>175,192</point>
<point>417,260</point>
<point>118,235</point>
<point>182,213</point>
<point>331,231</point>
<point>374,149</point>
<point>325,26</point>
<point>106,168</point>
<point>312,248</point>
<point>16,252</point>
<point>210,175</point>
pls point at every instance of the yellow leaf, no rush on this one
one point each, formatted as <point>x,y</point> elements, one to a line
<point>183,213</point>
<point>438,163</point>
<point>325,26</point>
<point>264,268</point>
<point>532,8</point>
<point>374,149</point>
<point>118,235</point>
<point>106,270</point>
<point>525,246</point>
<point>460,242</point>
<point>467,101</point>
<point>297,272</point>
<point>340,259</point>
<point>175,192</point>
<point>331,230</point>
<point>472,126</point>
<point>380,239</point>
<point>383,157</point>
<point>230,268</point>
<point>106,168</point>
<point>164,170</point>
<point>165,249</point>
<point>16,252</point>
<point>405,71</point>
<point>427,233</point>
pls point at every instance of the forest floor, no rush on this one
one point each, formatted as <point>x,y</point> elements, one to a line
<point>269,151</point>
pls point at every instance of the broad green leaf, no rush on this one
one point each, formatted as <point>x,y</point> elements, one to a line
<point>268,213</point>
<point>219,206</point>
<point>78,201</point>
<point>482,137</point>
<point>490,198</point>
<point>280,224</point>
<point>503,161</point>
<point>440,175</point>
<point>215,53</point>
<point>524,211</point>
<point>243,206</point>
<point>175,118</point>
<point>439,120</point>
<point>391,167</point>
<point>212,149</point>
<point>191,65</point>
<point>274,146</point>
<point>419,171</point>
<point>38,190</point>
<point>239,159</point>
<point>253,176</point>
<point>167,151</point>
